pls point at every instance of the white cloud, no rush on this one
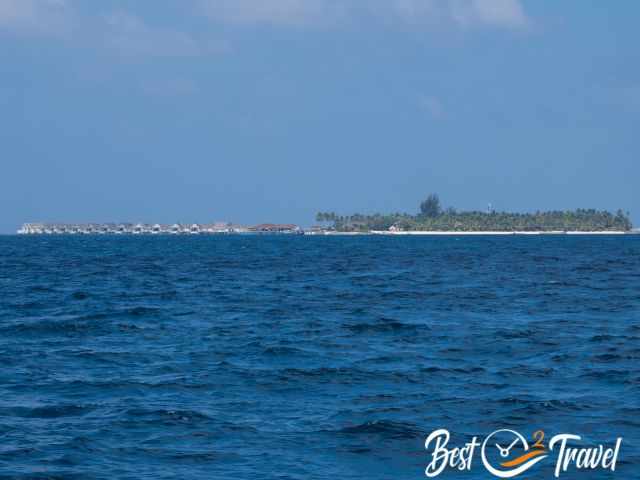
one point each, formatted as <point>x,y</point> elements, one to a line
<point>275,12</point>
<point>461,13</point>
<point>40,17</point>
<point>120,32</point>
<point>498,13</point>
<point>129,35</point>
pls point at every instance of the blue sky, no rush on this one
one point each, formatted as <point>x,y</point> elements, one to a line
<point>270,110</point>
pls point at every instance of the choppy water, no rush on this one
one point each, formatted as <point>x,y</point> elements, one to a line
<point>309,357</point>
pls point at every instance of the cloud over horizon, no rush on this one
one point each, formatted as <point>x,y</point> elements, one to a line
<point>47,17</point>
<point>129,35</point>
<point>459,13</point>
<point>34,17</point>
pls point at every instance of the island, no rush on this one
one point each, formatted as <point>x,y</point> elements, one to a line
<point>433,218</point>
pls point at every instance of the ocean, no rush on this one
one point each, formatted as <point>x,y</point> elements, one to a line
<point>297,357</point>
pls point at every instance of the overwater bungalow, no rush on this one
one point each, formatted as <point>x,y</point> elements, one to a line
<point>275,228</point>
<point>147,228</point>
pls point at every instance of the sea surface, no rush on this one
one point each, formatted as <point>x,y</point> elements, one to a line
<point>296,357</point>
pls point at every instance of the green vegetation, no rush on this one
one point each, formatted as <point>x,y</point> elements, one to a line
<point>432,217</point>
<point>430,208</point>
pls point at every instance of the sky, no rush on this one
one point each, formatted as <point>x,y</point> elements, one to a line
<point>272,110</point>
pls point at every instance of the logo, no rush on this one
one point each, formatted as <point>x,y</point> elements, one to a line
<point>502,463</point>
<point>506,453</point>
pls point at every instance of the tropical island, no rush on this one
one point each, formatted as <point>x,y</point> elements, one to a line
<point>432,217</point>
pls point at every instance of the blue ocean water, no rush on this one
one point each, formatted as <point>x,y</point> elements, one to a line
<point>280,357</point>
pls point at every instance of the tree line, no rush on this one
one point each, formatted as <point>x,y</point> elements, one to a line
<point>432,217</point>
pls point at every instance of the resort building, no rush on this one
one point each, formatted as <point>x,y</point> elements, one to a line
<point>151,229</point>
<point>275,228</point>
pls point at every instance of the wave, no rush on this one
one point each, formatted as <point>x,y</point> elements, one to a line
<point>47,411</point>
<point>385,326</point>
<point>282,351</point>
<point>384,428</point>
